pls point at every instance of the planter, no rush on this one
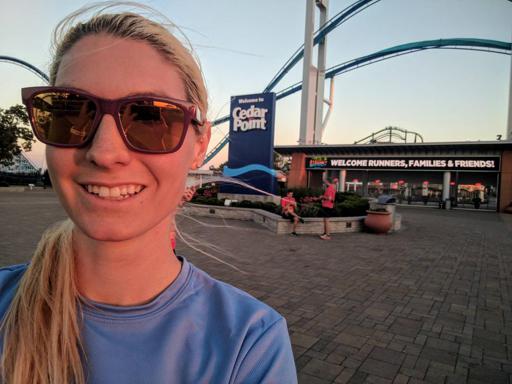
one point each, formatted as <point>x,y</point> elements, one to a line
<point>378,222</point>
<point>276,223</point>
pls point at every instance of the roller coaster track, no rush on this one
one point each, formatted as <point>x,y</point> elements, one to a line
<point>492,46</point>
<point>25,65</point>
<point>330,25</point>
<point>390,133</point>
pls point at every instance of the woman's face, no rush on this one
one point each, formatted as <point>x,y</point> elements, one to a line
<point>113,68</point>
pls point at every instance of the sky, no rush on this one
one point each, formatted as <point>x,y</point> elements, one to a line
<point>444,95</point>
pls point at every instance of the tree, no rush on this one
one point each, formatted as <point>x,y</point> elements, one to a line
<point>282,163</point>
<point>219,168</point>
<point>15,135</point>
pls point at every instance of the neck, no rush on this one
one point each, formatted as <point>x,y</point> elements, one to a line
<point>128,272</point>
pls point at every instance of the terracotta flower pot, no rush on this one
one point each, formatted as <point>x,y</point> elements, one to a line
<point>378,222</point>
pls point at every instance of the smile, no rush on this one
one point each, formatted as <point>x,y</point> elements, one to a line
<point>119,192</point>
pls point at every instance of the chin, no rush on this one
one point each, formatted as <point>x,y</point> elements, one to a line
<point>105,232</point>
<point>109,235</point>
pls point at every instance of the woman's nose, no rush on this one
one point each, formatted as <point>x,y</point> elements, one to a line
<point>107,148</point>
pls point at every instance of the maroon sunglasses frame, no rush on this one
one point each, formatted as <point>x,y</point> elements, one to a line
<point>191,114</point>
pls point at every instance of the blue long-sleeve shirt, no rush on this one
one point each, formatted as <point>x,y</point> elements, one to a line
<point>198,330</point>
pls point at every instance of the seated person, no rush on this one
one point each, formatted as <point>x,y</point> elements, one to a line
<point>288,206</point>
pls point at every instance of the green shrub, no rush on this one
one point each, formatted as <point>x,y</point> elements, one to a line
<point>257,204</point>
<point>277,210</point>
<point>220,202</point>
<point>352,207</point>
<point>270,207</point>
<point>207,200</point>
<point>342,196</point>
<point>207,191</point>
<point>309,210</point>
<point>243,204</point>
<point>198,199</point>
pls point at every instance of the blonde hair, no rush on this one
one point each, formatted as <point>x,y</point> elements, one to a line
<point>42,327</point>
<point>128,25</point>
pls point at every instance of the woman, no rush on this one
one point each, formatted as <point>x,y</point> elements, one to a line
<point>104,300</point>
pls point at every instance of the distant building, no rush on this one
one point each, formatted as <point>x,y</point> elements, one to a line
<point>21,165</point>
<point>468,173</point>
<point>197,176</point>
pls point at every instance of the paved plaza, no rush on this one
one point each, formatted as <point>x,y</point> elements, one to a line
<point>431,303</point>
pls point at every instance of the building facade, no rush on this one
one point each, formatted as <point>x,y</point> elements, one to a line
<point>467,174</point>
<point>21,165</point>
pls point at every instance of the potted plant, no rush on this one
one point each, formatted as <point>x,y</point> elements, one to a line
<point>378,220</point>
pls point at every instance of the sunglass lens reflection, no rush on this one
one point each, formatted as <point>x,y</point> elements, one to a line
<point>153,125</point>
<point>62,118</point>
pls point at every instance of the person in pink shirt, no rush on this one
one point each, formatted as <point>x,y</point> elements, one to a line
<point>288,206</point>
<point>328,206</point>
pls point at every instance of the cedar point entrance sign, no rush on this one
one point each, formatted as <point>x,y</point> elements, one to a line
<point>251,142</point>
<point>412,163</point>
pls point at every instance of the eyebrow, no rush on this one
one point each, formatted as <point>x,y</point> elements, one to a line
<point>153,94</point>
<point>131,94</point>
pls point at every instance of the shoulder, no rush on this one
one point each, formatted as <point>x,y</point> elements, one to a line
<point>257,333</point>
<point>232,304</point>
<point>9,280</point>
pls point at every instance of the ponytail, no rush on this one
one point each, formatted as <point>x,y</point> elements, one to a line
<point>42,329</point>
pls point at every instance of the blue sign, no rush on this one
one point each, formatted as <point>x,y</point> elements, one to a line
<point>251,143</point>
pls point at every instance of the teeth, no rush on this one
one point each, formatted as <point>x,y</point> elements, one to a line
<point>116,193</point>
<point>104,192</point>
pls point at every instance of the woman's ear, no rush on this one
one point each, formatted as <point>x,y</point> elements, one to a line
<point>202,145</point>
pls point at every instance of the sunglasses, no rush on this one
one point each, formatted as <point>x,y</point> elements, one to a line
<point>67,117</point>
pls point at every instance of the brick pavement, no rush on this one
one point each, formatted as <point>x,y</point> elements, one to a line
<point>430,304</point>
